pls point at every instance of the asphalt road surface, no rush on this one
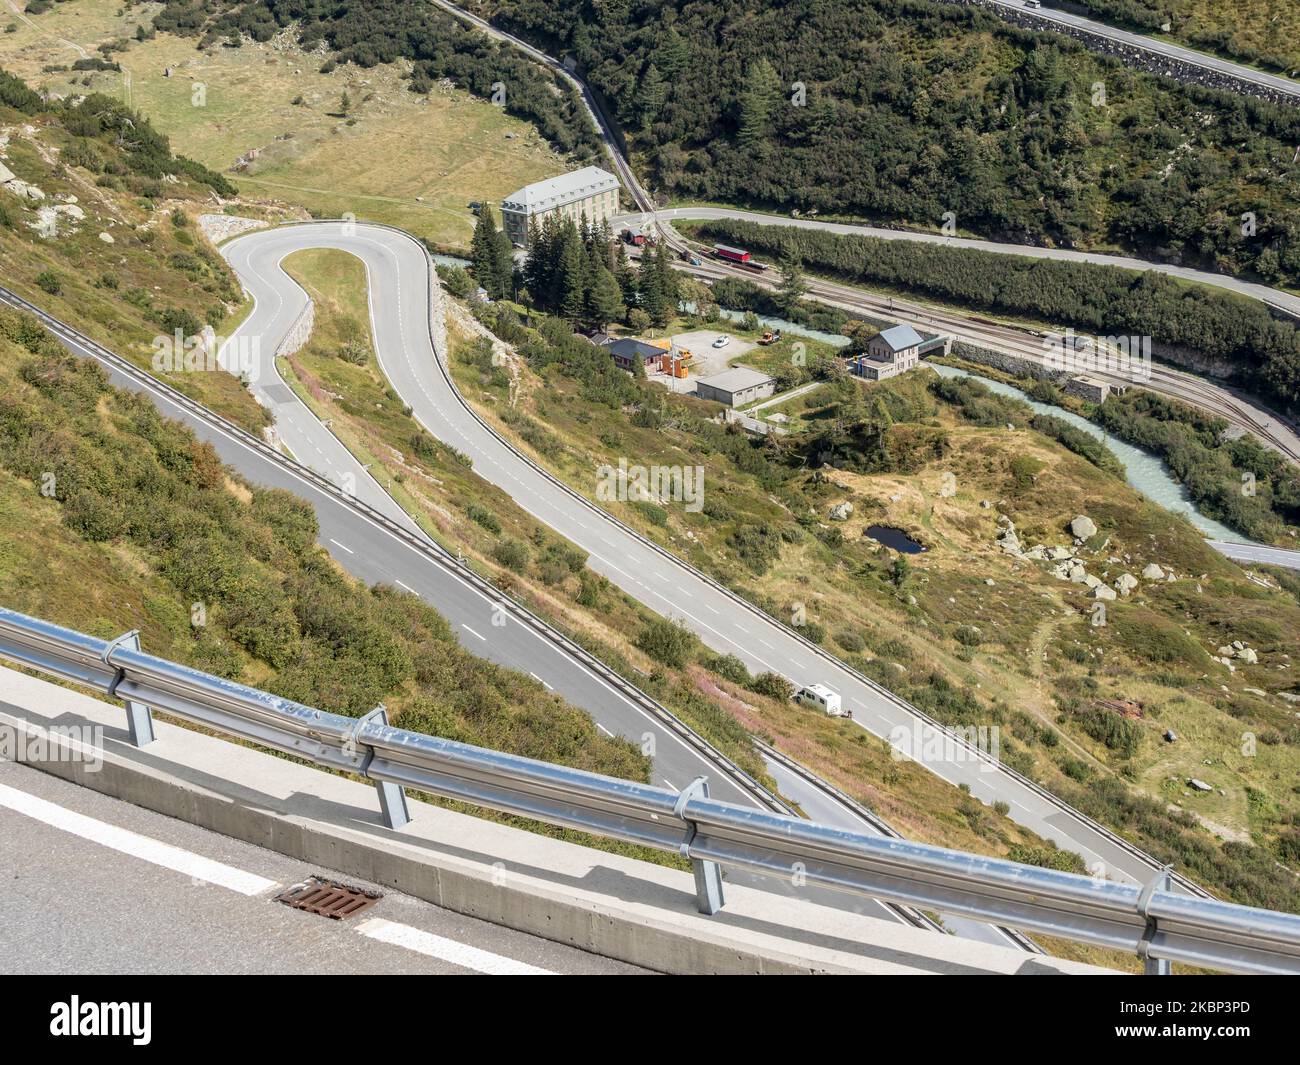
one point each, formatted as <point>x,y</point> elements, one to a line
<point>95,885</point>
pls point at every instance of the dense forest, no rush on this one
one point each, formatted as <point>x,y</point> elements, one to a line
<point>1263,350</point>
<point>915,109</point>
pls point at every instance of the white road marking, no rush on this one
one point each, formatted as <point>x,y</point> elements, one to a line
<point>344,546</point>
<point>448,950</point>
<point>127,842</point>
<point>406,586</point>
<point>670,784</point>
<point>472,632</point>
<point>604,729</point>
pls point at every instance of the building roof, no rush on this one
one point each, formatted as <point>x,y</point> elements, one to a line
<point>557,191</point>
<point>737,379</point>
<point>899,337</point>
<point>630,348</point>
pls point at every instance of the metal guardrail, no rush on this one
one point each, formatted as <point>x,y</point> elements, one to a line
<point>1157,924</point>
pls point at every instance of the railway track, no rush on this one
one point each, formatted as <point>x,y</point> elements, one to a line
<point>1021,342</point>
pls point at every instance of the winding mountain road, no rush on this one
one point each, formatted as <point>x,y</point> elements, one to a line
<point>398,269</point>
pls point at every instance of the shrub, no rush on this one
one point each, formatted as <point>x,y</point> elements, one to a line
<point>773,685</point>
<point>482,516</point>
<point>1047,857</point>
<point>48,281</point>
<point>851,641</point>
<point>511,554</point>
<point>668,642</point>
<point>731,668</point>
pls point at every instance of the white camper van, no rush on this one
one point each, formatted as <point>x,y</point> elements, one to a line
<point>823,699</point>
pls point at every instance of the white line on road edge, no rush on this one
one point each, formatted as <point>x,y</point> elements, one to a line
<point>344,546</point>
<point>127,842</point>
<point>472,632</point>
<point>448,950</point>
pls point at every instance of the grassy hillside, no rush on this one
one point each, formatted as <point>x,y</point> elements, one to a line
<point>111,246</point>
<point>395,156</point>
<point>115,518</point>
<point>968,633</point>
<point>336,373</point>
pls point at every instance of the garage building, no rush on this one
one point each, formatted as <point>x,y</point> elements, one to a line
<point>736,387</point>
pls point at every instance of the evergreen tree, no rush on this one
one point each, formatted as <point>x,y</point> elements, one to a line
<point>793,284</point>
<point>571,276</point>
<point>652,95</point>
<point>605,300</point>
<point>651,290</point>
<point>503,256</point>
<point>483,251</point>
<point>758,102</point>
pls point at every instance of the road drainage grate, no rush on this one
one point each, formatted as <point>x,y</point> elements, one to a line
<point>328,898</point>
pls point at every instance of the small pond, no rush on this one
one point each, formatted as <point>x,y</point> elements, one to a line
<point>895,538</point>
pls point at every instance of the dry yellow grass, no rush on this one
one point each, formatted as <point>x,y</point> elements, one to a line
<point>396,157</point>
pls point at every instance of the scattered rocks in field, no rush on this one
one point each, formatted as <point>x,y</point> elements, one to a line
<point>1083,527</point>
<point>1152,572</point>
<point>841,511</point>
<point>1125,583</point>
<point>1170,735</point>
<point>107,238</point>
<point>1101,591</point>
<point>1239,651</point>
<point>1198,785</point>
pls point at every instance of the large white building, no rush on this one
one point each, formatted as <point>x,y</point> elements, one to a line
<point>591,191</point>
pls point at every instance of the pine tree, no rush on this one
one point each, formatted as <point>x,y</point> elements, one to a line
<point>793,284</point>
<point>483,250</point>
<point>758,103</point>
<point>651,95</point>
<point>503,256</point>
<point>651,290</point>
<point>663,281</point>
<point>604,300</point>
<point>571,278</point>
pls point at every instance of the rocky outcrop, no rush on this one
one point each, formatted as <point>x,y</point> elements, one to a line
<point>1083,527</point>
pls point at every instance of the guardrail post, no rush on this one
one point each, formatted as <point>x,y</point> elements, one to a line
<point>708,875</point>
<point>139,718</point>
<point>392,797</point>
<point>1152,966</point>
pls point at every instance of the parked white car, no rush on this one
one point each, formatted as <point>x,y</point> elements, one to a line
<point>722,342</point>
<point>822,698</point>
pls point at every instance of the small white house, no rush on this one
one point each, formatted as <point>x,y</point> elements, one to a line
<point>889,353</point>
